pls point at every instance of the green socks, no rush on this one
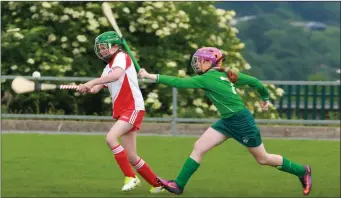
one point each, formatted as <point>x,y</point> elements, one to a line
<point>292,168</point>
<point>191,166</point>
<point>187,171</point>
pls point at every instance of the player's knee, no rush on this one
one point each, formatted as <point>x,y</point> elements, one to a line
<point>262,160</point>
<point>198,148</point>
<point>111,140</point>
<point>108,139</point>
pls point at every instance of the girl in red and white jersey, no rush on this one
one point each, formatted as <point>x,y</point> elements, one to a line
<point>120,77</point>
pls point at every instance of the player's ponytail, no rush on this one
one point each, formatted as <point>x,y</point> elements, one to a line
<point>232,76</point>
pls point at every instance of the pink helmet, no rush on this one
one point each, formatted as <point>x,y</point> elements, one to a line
<point>206,54</point>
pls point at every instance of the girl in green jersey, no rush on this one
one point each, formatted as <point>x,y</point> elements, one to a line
<point>236,121</point>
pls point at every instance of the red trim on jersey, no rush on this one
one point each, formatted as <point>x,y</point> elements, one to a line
<point>112,59</point>
<point>128,61</point>
<point>125,99</point>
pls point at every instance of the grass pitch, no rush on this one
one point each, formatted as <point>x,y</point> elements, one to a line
<point>82,166</point>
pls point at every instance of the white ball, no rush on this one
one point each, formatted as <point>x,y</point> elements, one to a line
<point>36,74</point>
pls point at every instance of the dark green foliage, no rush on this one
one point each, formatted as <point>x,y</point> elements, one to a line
<point>278,50</point>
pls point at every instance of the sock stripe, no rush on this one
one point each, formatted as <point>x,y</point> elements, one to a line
<point>139,164</point>
<point>117,149</point>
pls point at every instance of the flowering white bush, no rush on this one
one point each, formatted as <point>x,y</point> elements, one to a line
<point>57,39</point>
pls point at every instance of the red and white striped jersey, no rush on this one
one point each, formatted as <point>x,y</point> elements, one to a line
<point>125,92</point>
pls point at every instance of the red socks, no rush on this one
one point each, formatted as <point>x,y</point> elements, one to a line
<point>122,161</point>
<point>141,167</point>
<point>146,172</point>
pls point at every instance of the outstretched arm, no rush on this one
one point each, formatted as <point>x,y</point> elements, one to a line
<point>189,82</point>
<point>243,79</point>
<point>193,82</point>
<point>253,82</point>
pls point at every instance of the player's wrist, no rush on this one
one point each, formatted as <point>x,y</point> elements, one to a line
<point>152,77</point>
<point>157,77</point>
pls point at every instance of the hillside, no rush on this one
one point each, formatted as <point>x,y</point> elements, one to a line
<point>281,46</point>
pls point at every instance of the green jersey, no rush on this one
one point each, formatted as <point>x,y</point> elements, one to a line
<point>218,88</point>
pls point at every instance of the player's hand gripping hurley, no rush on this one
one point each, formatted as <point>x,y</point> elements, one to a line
<point>110,16</point>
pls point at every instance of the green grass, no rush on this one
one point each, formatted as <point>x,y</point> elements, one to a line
<point>82,166</point>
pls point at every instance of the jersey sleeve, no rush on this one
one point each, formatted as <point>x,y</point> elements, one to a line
<point>119,61</point>
<point>253,82</point>
<point>189,82</point>
<point>103,74</point>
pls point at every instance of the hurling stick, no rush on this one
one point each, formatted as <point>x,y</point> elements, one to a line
<point>22,85</point>
<point>110,16</point>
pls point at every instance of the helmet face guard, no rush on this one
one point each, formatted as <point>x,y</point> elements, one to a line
<point>104,50</point>
<point>195,63</point>
<point>107,44</point>
<point>211,54</point>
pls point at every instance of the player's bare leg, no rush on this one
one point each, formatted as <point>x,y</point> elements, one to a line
<point>119,129</point>
<point>129,143</point>
<point>283,164</point>
<point>264,158</point>
<point>206,142</point>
